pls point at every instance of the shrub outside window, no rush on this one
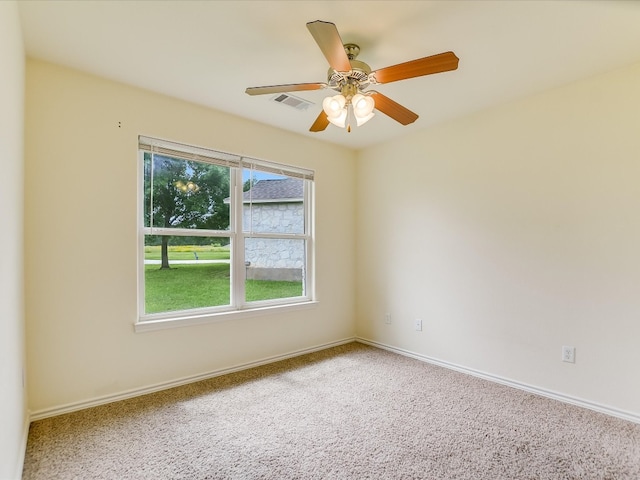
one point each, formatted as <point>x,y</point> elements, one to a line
<point>220,233</point>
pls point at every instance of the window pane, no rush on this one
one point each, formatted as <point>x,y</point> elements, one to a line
<point>183,273</point>
<point>275,268</point>
<point>185,194</point>
<point>272,203</point>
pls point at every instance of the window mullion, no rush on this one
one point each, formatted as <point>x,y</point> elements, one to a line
<point>293,236</point>
<point>238,272</point>
<point>309,222</point>
<point>185,232</point>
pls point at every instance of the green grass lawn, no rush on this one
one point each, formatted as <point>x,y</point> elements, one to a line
<point>195,286</point>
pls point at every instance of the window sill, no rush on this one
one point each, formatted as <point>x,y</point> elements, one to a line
<point>186,321</point>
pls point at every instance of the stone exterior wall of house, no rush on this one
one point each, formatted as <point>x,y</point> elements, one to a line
<point>274,259</point>
<point>273,217</point>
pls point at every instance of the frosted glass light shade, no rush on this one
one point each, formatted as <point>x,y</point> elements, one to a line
<point>363,120</point>
<point>339,120</point>
<point>332,106</point>
<point>362,108</point>
<point>362,105</point>
<point>335,109</point>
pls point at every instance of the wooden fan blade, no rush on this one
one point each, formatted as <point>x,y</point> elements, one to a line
<point>393,109</point>
<point>292,87</point>
<point>443,62</point>
<point>321,123</point>
<point>328,39</point>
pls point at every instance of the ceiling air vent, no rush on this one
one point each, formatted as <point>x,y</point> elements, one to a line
<point>295,102</point>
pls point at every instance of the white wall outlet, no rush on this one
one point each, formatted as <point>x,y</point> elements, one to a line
<point>418,325</point>
<point>568,354</point>
<point>387,318</point>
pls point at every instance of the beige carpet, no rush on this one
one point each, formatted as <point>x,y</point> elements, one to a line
<point>350,412</point>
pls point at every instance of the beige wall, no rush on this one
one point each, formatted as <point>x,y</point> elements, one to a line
<point>511,233</point>
<point>81,241</point>
<point>13,411</point>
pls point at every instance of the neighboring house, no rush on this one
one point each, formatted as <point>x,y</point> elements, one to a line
<point>274,206</point>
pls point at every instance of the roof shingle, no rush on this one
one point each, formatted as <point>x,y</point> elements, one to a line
<point>285,189</point>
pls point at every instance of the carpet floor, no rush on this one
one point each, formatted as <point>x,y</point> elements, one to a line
<point>348,412</point>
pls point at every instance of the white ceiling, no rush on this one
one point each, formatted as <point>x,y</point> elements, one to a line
<point>208,52</point>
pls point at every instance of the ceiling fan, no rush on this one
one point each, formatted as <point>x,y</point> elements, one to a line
<point>351,78</point>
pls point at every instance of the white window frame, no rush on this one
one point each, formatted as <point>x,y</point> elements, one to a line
<point>238,307</point>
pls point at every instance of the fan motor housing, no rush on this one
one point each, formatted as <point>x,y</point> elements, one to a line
<point>358,75</point>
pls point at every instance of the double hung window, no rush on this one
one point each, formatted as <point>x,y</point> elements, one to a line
<point>220,233</point>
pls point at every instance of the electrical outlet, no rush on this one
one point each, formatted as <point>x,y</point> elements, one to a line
<point>418,325</point>
<point>387,318</point>
<point>568,354</point>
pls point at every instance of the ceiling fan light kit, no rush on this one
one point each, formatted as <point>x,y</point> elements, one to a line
<point>351,78</point>
<point>337,108</point>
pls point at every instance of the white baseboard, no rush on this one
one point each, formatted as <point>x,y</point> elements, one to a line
<point>136,392</point>
<point>72,407</point>
<point>614,412</point>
